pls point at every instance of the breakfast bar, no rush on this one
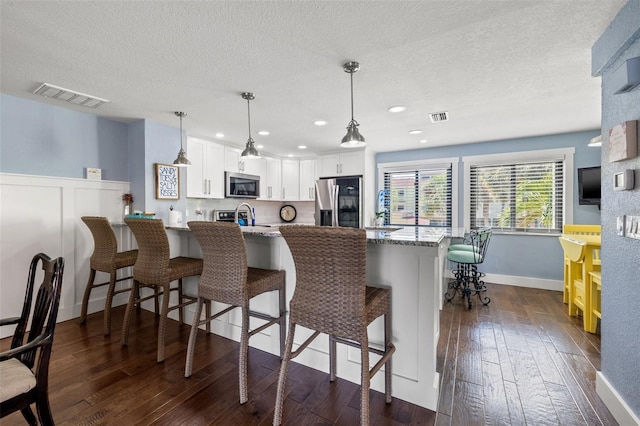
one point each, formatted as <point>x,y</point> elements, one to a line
<point>410,261</point>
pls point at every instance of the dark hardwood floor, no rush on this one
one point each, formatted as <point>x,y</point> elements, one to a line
<point>521,360</point>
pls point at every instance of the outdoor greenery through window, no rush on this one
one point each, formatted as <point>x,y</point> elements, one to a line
<point>418,197</point>
<point>517,197</point>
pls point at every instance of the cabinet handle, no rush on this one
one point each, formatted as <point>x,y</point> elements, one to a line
<point>337,168</point>
<point>209,186</point>
<point>268,192</point>
<point>204,186</point>
<point>283,192</point>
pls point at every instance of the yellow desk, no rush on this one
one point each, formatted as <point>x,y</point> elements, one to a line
<point>579,249</point>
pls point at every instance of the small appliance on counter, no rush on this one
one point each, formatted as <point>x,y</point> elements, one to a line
<point>339,201</point>
<point>230,216</point>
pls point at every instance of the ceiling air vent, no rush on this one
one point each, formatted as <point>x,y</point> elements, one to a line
<point>77,98</point>
<point>438,117</point>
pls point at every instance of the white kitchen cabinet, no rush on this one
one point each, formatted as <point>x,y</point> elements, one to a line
<point>307,180</point>
<point>272,188</point>
<point>233,162</point>
<point>290,179</point>
<point>341,164</point>
<point>205,176</point>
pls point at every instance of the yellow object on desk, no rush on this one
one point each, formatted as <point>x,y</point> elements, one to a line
<point>579,250</point>
<point>578,230</point>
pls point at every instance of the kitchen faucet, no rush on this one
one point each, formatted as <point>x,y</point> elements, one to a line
<point>251,216</point>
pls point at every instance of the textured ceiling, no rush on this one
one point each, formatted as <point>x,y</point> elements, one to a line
<point>502,69</point>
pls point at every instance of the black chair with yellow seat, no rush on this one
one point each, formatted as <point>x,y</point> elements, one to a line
<point>24,369</point>
<point>467,279</point>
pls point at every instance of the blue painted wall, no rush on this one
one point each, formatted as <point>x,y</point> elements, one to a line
<point>620,256</point>
<point>40,139</point>
<point>519,255</point>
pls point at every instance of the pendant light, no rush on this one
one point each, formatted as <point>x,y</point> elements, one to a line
<point>181,160</point>
<point>353,138</point>
<point>250,150</point>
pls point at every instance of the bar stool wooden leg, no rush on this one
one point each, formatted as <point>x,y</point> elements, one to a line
<point>180,300</point>
<point>107,303</point>
<point>282,377</point>
<point>166,295</point>
<point>387,365</point>
<point>135,289</point>
<point>283,319</point>
<point>87,293</point>
<point>365,383</point>
<point>191,346</point>
<point>207,312</point>
<point>244,352</point>
<point>332,358</point>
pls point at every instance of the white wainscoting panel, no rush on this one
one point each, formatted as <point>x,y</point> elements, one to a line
<point>42,214</point>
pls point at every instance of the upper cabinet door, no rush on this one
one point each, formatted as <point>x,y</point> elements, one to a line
<point>307,180</point>
<point>273,183</point>
<point>341,164</point>
<point>290,180</point>
<point>196,185</point>
<point>232,162</point>
<point>205,176</point>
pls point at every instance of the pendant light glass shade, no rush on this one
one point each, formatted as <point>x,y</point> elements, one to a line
<point>353,138</point>
<point>181,160</point>
<point>250,150</point>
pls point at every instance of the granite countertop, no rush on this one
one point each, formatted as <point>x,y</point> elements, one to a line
<point>407,236</point>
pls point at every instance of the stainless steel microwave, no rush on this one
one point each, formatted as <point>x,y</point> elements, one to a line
<point>239,185</point>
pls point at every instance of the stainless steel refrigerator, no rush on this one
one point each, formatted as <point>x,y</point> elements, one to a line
<point>339,202</point>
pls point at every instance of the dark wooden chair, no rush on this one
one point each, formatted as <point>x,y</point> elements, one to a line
<point>226,278</point>
<point>331,297</point>
<point>105,258</point>
<point>24,369</point>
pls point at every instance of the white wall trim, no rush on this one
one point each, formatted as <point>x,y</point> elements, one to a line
<point>528,282</point>
<point>614,402</point>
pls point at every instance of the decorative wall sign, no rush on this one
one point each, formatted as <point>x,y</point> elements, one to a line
<point>167,182</point>
<point>623,141</point>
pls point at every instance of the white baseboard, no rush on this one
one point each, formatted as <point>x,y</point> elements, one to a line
<point>541,283</point>
<point>614,402</point>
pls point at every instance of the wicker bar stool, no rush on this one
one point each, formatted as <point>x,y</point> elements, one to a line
<point>105,258</point>
<point>331,297</point>
<point>156,269</point>
<point>226,278</point>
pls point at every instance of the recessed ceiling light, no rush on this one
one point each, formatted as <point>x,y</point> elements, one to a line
<point>263,132</point>
<point>415,132</point>
<point>289,155</point>
<point>259,146</point>
<point>302,147</point>
<point>397,108</point>
<point>320,123</point>
<point>423,141</point>
<point>219,135</point>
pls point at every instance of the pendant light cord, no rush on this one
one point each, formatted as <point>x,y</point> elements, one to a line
<point>249,117</point>
<point>181,114</point>
<point>351,74</point>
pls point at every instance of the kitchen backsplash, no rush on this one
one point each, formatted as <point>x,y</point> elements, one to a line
<point>267,212</point>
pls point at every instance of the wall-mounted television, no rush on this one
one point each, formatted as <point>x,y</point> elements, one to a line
<point>589,186</point>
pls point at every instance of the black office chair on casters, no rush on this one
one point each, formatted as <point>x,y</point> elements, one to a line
<point>467,279</point>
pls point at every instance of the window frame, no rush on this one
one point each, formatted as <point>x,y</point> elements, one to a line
<point>566,155</point>
<point>400,166</point>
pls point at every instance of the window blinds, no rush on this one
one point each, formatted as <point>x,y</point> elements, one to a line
<point>419,197</point>
<point>517,197</point>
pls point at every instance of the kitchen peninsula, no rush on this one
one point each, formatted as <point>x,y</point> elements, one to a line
<point>410,261</point>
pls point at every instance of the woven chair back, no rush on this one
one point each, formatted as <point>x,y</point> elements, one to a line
<point>330,286</point>
<point>152,265</point>
<point>105,245</point>
<point>224,273</point>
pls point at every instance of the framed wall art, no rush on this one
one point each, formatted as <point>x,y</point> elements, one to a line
<point>167,182</point>
<point>623,141</point>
